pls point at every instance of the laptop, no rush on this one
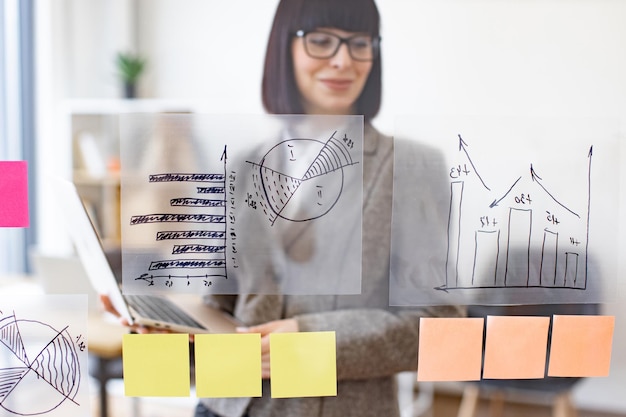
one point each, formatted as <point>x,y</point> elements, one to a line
<point>184,313</point>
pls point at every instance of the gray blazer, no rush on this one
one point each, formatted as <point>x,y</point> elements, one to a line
<point>374,341</point>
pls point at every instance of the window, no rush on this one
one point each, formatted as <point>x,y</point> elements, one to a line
<point>17,116</point>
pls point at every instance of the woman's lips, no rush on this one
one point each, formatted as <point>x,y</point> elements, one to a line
<point>336,83</point>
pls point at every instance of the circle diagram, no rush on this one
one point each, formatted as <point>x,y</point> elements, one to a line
<point>40,368</point>
<point>302,179</point>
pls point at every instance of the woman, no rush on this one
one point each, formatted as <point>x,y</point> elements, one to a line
<point>323,57</point>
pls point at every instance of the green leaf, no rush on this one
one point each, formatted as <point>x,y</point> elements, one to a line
<point>130,66</point>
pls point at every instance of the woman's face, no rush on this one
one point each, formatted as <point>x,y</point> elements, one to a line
<point>331,85</point>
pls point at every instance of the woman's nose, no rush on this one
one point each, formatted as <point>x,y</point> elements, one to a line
<point>342,58</point>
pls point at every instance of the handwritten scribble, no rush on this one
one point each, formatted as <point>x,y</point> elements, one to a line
<point>190,234</point>
<point>178,249</point>
<point>176,218</point>
<point>187,263</point>
<point>196,202</point>
<point>173,177</point>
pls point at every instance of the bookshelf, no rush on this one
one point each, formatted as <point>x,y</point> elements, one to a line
<point>95,146</point>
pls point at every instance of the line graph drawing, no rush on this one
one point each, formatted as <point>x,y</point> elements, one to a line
<point>523,237</point>
<point>37,361</point>
<point>301,179</point>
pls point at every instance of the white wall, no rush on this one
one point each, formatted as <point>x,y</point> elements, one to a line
<point>215,53</point>
<point>494,57</point>
<point>557,57</point>
<point>528,57</point>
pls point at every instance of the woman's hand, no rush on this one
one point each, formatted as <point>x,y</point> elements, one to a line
<point>265,329</point>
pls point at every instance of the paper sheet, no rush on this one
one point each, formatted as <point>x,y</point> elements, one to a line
<point>234,204</point>
<point>504,210</point>
<point>43,355</point>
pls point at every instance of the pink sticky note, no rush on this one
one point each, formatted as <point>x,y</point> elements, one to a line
<point>450,349</point>
<point>581,346</point>
<point>516,347</point>
<point>14,194</point>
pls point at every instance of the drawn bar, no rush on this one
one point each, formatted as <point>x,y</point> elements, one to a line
<point>175,177</point>
<point>454,233</point>
<point>190,234</point>
<point>210,190</point>
<point>187,263</point>
<point>178,249</point>
<point>176,218</point>
<point>517,272</point>
<point>486,254</point>
<point>197,202</point>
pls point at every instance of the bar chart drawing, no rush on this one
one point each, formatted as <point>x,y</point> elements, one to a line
<point>524,236</point>
<point>209,226</point>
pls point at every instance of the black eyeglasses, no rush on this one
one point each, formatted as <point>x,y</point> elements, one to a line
<point>323,45</point>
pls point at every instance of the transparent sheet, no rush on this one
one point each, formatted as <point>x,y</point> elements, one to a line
<point>43,355</point>
<point>239,204</point>
<point>505,210</point>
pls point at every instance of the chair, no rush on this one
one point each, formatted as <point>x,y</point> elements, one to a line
<point>551,390</point>
<point>105,341</point>
<point>105,355</point>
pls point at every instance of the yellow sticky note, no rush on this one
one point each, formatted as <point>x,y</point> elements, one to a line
<point>228,365</point>
<point>156,365</point>
<point>581,346</point>
<point>303,364</point>
<point>450,349</point>
<point>516,347</point>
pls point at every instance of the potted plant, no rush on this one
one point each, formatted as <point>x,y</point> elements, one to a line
<point>130,67</point>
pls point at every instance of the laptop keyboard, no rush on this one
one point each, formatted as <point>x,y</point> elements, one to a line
<point>160,309</point>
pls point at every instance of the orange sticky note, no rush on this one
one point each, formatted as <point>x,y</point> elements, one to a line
<point>516,347</point>
<point>14,194</point>
<point>450,349</point>
<point>581,346</point>
<point>303,364</point>
<point>156,365</point>
<point>228,365</point>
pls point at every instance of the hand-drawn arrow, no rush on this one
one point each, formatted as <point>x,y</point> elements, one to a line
<point>223,157</point>
<point>462,146</point>
<point>536,178</point>
<point>496,202</point>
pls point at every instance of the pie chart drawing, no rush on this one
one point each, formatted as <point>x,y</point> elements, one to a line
<point>39,370</point>
<point>302,179</point>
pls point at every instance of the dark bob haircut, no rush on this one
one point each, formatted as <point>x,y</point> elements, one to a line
<point>280,93</point>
